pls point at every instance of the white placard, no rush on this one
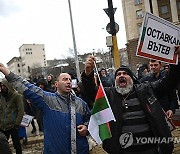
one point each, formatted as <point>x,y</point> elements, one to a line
<point>26,120</point>
<point>158,39</point>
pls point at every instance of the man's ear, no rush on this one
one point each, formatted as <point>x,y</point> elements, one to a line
<point>56,84</point>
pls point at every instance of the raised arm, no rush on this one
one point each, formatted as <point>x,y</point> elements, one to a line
<point>172,79</point>
<point>30,91</point>
<point>4,69</point>
<point>88,80</point>
<point>89,65</point>
<point>177,51</point>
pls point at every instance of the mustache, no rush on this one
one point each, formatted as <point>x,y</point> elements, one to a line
<point>124,90</point>
<point>122,79</point>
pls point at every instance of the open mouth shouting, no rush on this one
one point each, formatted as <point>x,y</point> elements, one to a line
<point>68,87</point>
<point>122,82</point>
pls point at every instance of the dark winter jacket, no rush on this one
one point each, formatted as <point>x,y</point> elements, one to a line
<point>11,108</point>
<point>168,102</point>
<point>148,95</point>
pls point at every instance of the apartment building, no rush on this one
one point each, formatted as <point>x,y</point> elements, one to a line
<point>32,56</point>
<point>134,11</point>
<point>15,65</point>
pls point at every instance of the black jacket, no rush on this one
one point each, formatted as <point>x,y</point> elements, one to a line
<point>148,95</point>
<point>168,102</point>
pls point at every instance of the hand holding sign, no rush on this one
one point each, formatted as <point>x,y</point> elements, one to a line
<point>177,51</point>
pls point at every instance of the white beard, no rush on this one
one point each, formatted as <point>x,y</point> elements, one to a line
<point>126,90</point>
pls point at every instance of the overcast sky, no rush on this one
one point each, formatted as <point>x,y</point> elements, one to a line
<point>48,22</point>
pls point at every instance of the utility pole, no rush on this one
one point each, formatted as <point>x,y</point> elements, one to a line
<point>113,32</point>
<point>74,43</point>
<point>150,5</point>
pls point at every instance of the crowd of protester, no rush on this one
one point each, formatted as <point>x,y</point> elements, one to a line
<point>58,91</point>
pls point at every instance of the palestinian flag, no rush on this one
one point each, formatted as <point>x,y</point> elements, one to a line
<point>101,115</point>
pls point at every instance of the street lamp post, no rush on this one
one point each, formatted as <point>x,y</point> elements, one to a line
<point>74,43</point>
<point>151,7</point>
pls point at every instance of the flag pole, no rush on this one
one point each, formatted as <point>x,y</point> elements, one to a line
<point>1,75</point>
<point>97,72</point>
<point>103,88</point>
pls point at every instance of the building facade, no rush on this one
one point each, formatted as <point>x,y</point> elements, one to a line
<point>134,11</point>
<point>15,65</point>
<point>33,56</point>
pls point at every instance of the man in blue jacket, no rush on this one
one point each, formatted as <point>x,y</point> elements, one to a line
<point>65,116</point>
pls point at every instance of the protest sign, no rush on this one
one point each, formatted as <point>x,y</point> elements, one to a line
<point>158,38</point>
<point>26,120</point>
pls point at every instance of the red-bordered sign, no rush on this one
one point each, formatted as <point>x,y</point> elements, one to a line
<point>158,39</point>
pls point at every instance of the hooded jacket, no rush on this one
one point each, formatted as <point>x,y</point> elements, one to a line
<point>11,108</point>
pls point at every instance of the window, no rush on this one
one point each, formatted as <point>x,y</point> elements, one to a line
<point>168,19</point>
<point>27,49</point>
<point>19,71</point>
<point>139,14</point>
<point>18,65</point>
<point>178,5</point>
<point>29,69</point>
<point>137,2</point>
<point>139,28</point>
<point>164,9</point>
<point>28,53</point>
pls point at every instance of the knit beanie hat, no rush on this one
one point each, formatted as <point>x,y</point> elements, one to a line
<point>42,81</point>
<point>129,72</point>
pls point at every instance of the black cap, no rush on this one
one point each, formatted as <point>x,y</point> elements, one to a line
<point>129,72</point>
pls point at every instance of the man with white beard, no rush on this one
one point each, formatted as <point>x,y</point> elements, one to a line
<point>136,109</point>
<point>123,85</point>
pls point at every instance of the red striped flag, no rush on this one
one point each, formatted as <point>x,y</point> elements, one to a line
<point>101,115</point>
